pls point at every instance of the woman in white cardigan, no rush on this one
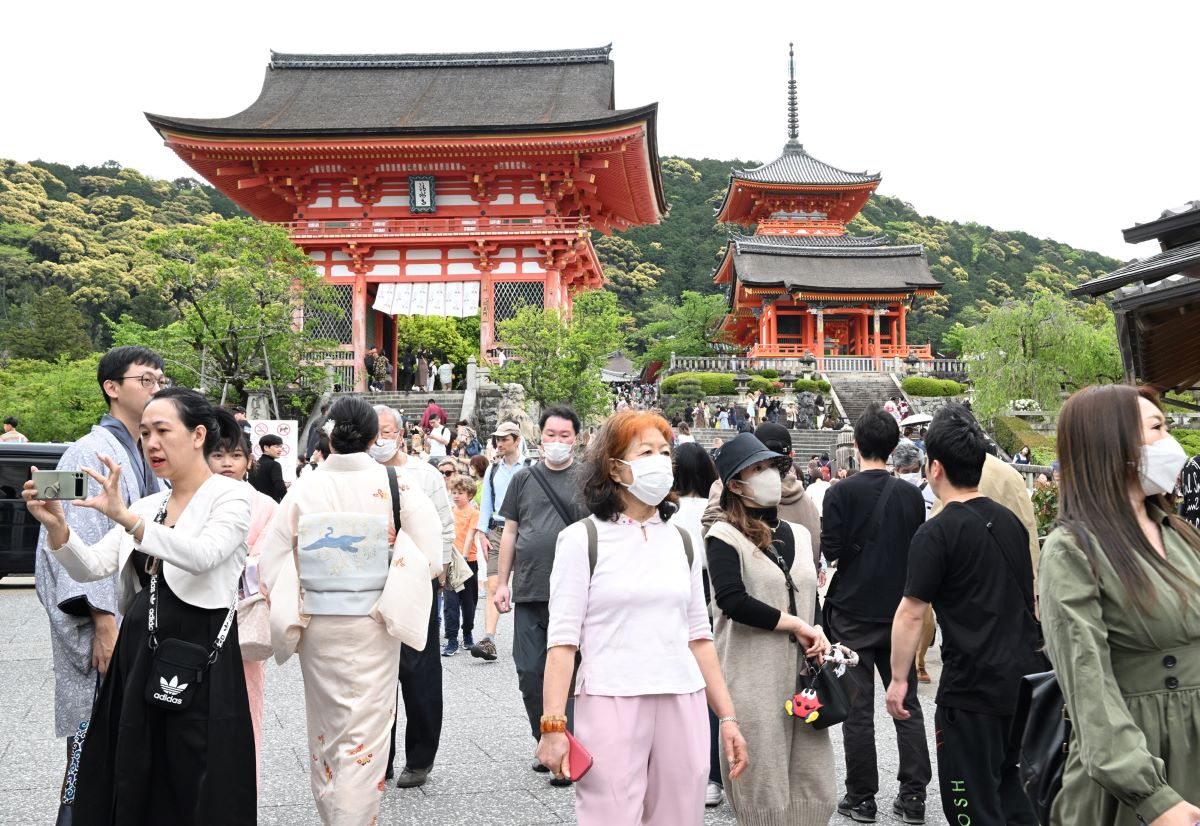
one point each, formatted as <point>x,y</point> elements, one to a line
<point>145,761</point>
<point>346,589</point>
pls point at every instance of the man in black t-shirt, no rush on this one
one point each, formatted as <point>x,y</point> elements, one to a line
<point>871,552</point>
<point>267,475</point>
<point>971,561</point>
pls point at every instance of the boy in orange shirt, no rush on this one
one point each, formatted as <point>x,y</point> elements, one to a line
<point>466,519</point>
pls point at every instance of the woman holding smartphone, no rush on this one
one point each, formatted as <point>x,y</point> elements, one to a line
<point>178,555</point>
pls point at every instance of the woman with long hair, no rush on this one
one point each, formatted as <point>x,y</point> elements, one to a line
<point>347,587</point>
<point>1121,615</point>
<point>764,585</point>
<point>639,620</point>
<point>159,751</point>
<point>233,458</point>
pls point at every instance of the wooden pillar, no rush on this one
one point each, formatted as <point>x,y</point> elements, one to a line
<point>552,290</point>
<point>358,325</point>
<point>877,348</point>
<point>820,339</point>
<point>903,326</point>
<point>774,331</point>
<point>487,313</point>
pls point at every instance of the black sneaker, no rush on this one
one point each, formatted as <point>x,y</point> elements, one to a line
<point>861,812</point>
<point>910,809</point>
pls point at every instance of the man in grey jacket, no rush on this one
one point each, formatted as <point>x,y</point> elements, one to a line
<point>83,616</point>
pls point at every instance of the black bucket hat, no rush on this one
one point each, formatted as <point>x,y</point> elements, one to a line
<point>740,453</point>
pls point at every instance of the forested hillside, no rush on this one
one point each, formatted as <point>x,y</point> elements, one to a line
<point>71,253</point>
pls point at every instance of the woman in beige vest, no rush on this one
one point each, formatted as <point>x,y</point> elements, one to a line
<point>753,558</point>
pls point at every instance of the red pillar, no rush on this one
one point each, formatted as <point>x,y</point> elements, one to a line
<point>358,324</point>
<point>903,326</point>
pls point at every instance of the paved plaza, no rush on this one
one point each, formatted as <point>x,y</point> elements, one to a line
<point>482,774</point>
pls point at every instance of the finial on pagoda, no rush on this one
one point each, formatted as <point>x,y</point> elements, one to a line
<point>793,113</point>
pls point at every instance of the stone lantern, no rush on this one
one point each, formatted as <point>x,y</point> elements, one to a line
<point>911,361</point>
<point>742,382</point>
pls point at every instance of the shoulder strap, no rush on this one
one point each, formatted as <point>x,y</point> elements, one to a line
<point>687,545</point>
<point>593,542</point>
<point>1026,598</point>
<point>394,486</point>
<point>872,527</point>
<point>557,502</point>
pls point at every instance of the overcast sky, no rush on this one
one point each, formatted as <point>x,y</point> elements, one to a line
<point>1066,120</point>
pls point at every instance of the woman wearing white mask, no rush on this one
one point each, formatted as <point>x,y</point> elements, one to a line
<point>1121,617</point>
<point>763,583</point>
<point>638,617</point>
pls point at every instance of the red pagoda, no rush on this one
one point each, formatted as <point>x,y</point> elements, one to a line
<point>801,284</point>
<point>436,184</point>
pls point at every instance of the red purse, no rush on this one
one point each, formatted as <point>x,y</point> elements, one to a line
<point>579,758</point>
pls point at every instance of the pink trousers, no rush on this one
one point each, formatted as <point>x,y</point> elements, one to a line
<point>650,758</point>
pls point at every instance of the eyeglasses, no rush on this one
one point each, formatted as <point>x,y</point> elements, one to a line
<point>447,473</point>
<point>148,380</point>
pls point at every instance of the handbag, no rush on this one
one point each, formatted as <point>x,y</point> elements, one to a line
<point>254,628</point>
<point>1041,731</point>
<point>66,799</point>
<point>460,572</point>
<point>820,699</point>
<point>177,667</point>
<point>579,758</point>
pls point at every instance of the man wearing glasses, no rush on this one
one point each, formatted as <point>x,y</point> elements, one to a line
<point>83,616</point>
<point>420,671</point>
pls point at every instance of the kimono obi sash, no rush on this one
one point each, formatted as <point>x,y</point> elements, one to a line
<point>343,561</point>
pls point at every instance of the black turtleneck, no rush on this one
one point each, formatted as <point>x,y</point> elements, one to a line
<point>725,574</point>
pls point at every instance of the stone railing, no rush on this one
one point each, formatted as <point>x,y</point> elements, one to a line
<point>798,366</point>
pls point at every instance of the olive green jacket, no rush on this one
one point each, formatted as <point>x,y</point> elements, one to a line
<point>1131,681</point>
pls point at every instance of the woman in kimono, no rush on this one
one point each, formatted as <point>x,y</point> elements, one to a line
<point>181,551</point>
<point>346,589</point>
<point>1121,617</point>
<point>232,459</point>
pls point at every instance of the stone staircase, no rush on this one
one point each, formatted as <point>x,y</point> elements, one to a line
<point>857,390</point>
<point>804,442</point>
<point>414,402</point>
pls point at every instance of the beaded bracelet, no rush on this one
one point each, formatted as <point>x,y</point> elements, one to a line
<point>724,720</point>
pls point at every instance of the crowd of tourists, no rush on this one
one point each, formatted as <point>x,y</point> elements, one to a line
<point>665,604</point>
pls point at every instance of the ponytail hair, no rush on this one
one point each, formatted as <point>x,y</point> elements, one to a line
<point>233,437</point>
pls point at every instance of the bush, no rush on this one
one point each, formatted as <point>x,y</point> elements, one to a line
<point>713,384</point>
<point>1012,433</point>
<point>690,390</point>
<point>811,385</point>
<point>769,373</point>
<point>761,383</point>
<point>923,386</point>
<point>1189,440</point>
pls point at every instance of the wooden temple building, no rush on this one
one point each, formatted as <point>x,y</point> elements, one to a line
<point>435,184</point>
<point>801,285</point>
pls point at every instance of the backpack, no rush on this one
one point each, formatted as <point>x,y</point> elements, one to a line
<point>474,448</point>
<point>594,540</point>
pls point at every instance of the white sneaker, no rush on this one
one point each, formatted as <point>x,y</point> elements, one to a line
<point>714,795</point>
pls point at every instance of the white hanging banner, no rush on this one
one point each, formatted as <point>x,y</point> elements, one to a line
<point>454,296</point>
<point>436,304</point>
<point>402,301</point>
<point>470,298</point>
<point>384,298</point>
<point>419,299</point>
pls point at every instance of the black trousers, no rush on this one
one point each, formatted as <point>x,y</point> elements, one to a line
<point>421,689</point>
<point>461,603</point>
<point>530,621</point>
<point>977,770</point>
<point>873,642</point>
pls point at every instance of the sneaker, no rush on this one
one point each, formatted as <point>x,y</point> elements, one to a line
<point>485,649</point>
<point>450,648</point>
<point>714,795</point>
<point>411,778</point>
<point>468,641</point>
<point>910,809</point>
<point>861,812</point>
<point>923,676</point>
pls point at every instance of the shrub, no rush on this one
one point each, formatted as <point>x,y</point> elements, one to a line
<point>760,383</point>
<point>713,384</point>
<point>1189,440</point>
<point>769,373</point>
<point>1012,433</point>
<point>924,386</point>
<point>690,390</point>
<point>811,385</point>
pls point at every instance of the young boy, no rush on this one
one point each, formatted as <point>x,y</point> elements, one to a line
<point>971,561</point>
<point>466,520</point>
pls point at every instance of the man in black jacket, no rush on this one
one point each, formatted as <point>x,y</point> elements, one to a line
<point>868,521</point>
<point>267,476</point>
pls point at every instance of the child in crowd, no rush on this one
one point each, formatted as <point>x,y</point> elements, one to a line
<point>461,604</point>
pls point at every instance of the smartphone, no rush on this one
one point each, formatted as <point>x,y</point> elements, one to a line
<point>60,484</point>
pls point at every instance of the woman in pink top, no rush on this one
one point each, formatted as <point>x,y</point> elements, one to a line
<point>640,622</point>
<point>232,458</point>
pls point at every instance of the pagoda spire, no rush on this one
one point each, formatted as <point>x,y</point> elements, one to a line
<point>793,107</point>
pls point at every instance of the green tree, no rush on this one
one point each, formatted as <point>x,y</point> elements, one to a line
<point>56,402</point>
<point>687,327</point>
<point>454,338</point>
<point>247,299</point>
<point>558,358</point>
<point>47,328</point>
<point>1035,349</point>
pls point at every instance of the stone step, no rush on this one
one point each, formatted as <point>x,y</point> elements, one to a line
<point>414,402</point>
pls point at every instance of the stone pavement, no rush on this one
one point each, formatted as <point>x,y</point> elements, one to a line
<point>482,774</point>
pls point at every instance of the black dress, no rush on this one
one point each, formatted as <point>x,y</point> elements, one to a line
<point>146,765</point>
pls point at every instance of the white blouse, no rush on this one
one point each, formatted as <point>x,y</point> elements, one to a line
<point>633,618</point>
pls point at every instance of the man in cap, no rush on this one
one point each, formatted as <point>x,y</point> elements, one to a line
<point>495,483</point>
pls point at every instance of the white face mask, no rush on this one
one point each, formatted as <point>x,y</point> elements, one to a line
<point>912,478</point>
<point>1160,465</point>
<point>652,478</point>
<point>766,488</point>
<point>383,450</point>
<point>556,453</point>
